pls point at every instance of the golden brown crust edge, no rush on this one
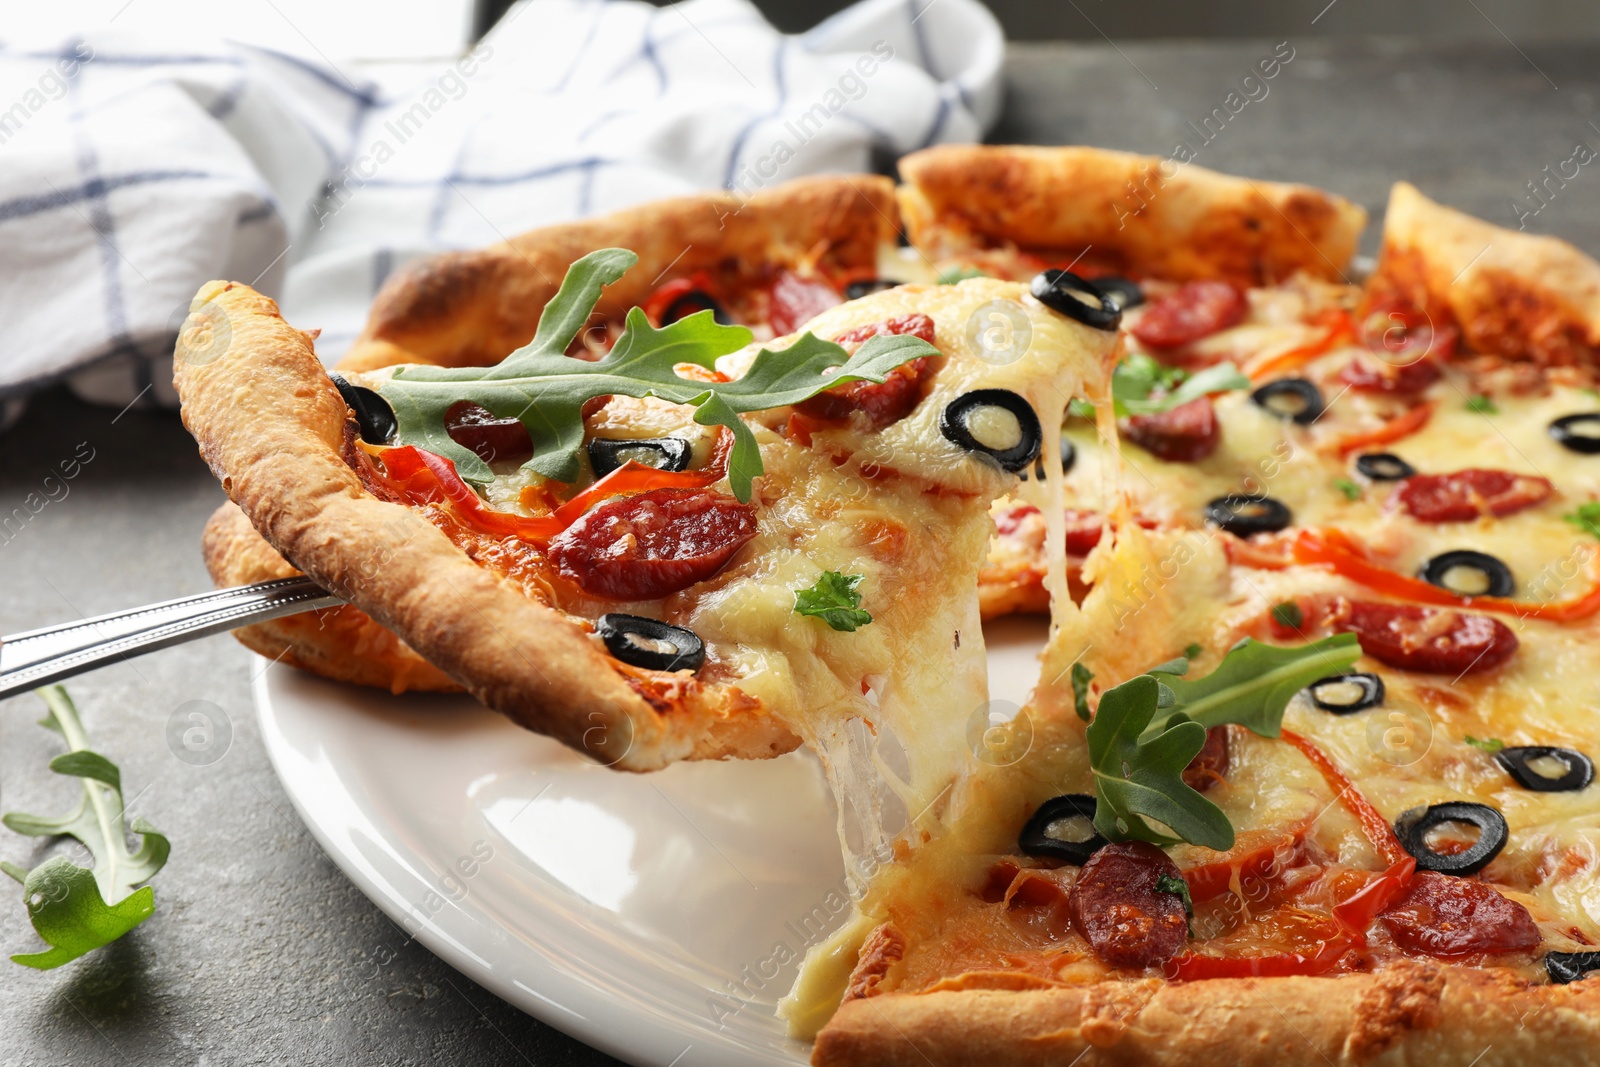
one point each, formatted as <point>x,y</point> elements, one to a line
<point>273,429</point>
<point>1511,294</point>
<point>472,308</point>
<point>1414,1013</point>
<point>341,643</point>
<point>1141,214</point>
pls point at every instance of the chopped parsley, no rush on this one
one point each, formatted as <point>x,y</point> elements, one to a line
<point>1482,405</point>
<point>1288,614</point>
<point>1350,489</point>
<point>1081,677</point>
<point>835,599</point>
<point>1586,518</point>
<point>1488,744</point>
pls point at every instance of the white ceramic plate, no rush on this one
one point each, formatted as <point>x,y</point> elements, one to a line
<point>657,917</point>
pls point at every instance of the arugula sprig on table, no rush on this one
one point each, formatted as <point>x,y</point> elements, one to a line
<point>1143,385</point>
<point>74,909</point>
<point>1146,730</point>
<point>544,389</point>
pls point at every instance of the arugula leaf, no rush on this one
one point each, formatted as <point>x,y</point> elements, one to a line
<point>835,600</point>
<point>545,390</point>
<point>1081,677</point>
<point>73,909</point>
<point>1143,385</point>
<point>1136,779</point>
<point>1482,405</point>
<point>1488,744</point>
<point>1147,729</point>
<point>1254,683</point>
<point>1586,518</point>
<point>1350,489</point>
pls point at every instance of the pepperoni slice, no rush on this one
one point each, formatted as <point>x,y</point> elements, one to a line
<point>1441,915</point>
<point>1187,433</point>
<point>653,544</point>
<point>476,427</point>
<point>1116,906</point>
<point>883,402</point>
<point>1211,762</point>
<point>1380,376</point>
<point>1431,640</point>
<point>1469,494</point>
<point>795,301</point>
<point>1196,310</point>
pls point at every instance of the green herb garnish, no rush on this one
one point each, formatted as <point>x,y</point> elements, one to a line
<point>1350,489</point>
<point>1192,652</point>
<point>1586,518</point>
<point>1143,385</point>
<point>835,599</point>
<point>1482,405</point>
<point>1146,730</point>
<point>1288,614</point>
<point>1081,677</point>
<point>68,904</point>
<point>952,275</point>
<point>1166,883</point>
<point>1488,744</point>
<point>544,389</point>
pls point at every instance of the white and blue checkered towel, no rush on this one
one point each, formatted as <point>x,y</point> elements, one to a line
<point>132,171</point>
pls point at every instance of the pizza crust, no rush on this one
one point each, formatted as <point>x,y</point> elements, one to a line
<point>278,436</point>
<point>1511,294</point>
<point>341,643</point>
<point>1408,1013</point>
<point>473,308</point>
<point>1141,215</point>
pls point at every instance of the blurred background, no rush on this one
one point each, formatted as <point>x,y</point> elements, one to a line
<point>417,28</point>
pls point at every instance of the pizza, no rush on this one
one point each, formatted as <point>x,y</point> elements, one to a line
<point>1308,772</point>
<point>1392,478</point>
<point>697,545</point>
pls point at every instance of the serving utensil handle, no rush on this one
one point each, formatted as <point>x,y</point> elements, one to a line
<point>39,657</point>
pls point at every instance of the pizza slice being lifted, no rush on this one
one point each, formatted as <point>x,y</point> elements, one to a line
<point>695,546</point>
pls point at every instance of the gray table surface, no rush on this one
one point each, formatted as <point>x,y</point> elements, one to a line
<point>261,952</point>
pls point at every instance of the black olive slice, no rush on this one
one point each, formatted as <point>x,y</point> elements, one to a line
<point>1295,399</point>
<point>1346,693</point>
<point>1564,967</point>
<point>1065,292</point>
<point>956,420</point>
<point>1243,514</point>
<point>1413,827</point>
<point>1520,763</point>
<point>691,302</point>
<point>1069,456</point>
<point>606,454</point>
<point>650,643</point>
<point>858,289</point>
<point>1050,833</point>
<point>374,416</point>
<point>1579,433</point>
<point>1383,467</point>
<point>1125,291</point>
<point>1486,576</point>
